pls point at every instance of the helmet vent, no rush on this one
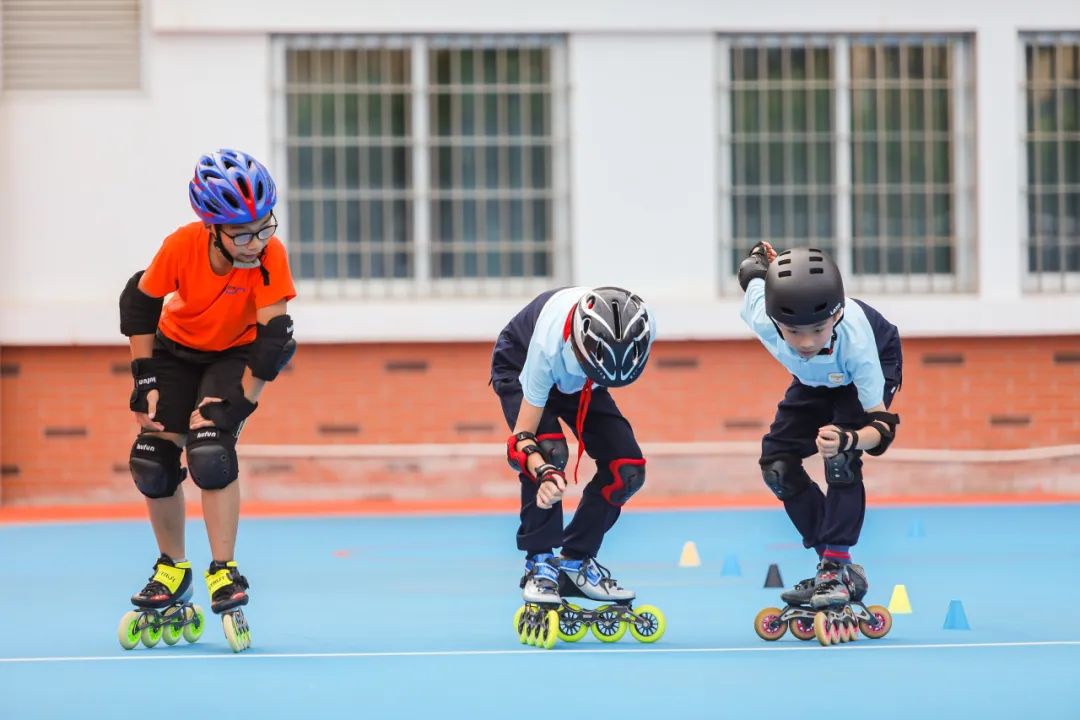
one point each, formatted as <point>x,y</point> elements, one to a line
<point>231,199</point>
<point>784,273</point>
<point>242,184</point>
<point>817,271</point>
<point>618,320</point>
<point>785,261</point>
<point>816,258</point>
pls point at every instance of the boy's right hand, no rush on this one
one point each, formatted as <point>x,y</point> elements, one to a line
<point>146,419</point>
<point>144,396</point>
<point>770,253</point>
<point>551,489</point>
<point>756,264</point>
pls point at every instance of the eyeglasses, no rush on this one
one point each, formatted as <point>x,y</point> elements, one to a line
<point>264,233</point>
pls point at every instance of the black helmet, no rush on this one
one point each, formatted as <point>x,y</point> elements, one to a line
<point>611,335</point>
<point>803,287</point>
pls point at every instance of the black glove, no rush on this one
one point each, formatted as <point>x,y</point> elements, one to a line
<point>227,414</point>
<point>144,370</point>
<point>756,265</point>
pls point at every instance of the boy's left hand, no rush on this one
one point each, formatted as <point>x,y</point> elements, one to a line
<point>828,440</point>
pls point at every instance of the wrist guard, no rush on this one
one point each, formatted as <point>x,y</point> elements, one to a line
<point>144,372</point>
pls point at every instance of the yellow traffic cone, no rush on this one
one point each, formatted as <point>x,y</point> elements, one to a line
<point>899,603</point>
<point>689,556</point>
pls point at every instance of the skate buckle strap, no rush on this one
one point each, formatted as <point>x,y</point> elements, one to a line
<point>546,571</point>
<point>170,576</point>
<point>219,579</point>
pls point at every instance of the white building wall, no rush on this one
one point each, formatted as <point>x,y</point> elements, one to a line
<point>91,182</point>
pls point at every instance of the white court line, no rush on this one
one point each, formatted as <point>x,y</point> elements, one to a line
<point>157,656</point>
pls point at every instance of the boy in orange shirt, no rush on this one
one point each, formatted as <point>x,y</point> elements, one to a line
<point>199,365</point>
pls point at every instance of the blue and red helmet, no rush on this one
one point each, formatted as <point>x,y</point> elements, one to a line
<point>231,188</point>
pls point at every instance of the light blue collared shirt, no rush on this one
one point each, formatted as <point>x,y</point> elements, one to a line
<point>854,358</point>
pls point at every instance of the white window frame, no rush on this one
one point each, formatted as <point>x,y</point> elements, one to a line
<point>422,283</point>
<point>962,99</point>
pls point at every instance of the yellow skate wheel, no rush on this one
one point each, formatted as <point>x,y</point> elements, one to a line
<point>548,632</point>
<point>571,625</point>
<point>823,629</point>
<point>519,624</point>
<point>609,626</point>
<point>767,624</point>
<point>802,628</point>
<point>882,622</point>
<point>129,632</point>
<point>151,634</point>
<point>649,625</point>
<point>236,631</point>
<point>196,623</point>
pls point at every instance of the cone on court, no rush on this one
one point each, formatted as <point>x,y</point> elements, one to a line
<point>915,529</point>
<point>689,556</point>
<point>772,578</point>
<point>899,604</point>
<point>731,567</point>
<point>955,618</point>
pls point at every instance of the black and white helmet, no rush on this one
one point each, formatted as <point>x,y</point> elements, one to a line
<point>611,334</point>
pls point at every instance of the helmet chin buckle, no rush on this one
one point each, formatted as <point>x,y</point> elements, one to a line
<point>242,265</point>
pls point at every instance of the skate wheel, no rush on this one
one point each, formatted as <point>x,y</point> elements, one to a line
<point>649,624</point>
<point>173,628</point>
<point>196,623</point>
<point>520,625</point>
<point>572,627</point>
<point>609,626</point>
<point>882,620</point>
<point>843,630</point>
<point>548,630</point>
<point>823,630</point>
<point>767,624</point>
<point>128,632</point>
<point>802,628</point>
<point>151,634</point>
<point>236,630</point>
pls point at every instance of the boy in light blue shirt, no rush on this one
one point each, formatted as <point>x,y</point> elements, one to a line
<point>846,363</point>
<point>556,360</point>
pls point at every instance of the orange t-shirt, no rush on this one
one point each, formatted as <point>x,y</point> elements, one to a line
<point>212,312</point>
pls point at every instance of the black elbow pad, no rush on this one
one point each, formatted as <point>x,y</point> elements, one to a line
<point>885,423</point>
<point>139,313</point>
<point>273,348</point>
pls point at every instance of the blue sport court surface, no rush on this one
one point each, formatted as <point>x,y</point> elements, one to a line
<point>411,617</point>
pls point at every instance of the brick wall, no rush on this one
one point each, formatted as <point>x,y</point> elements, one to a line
<point>66,431</point>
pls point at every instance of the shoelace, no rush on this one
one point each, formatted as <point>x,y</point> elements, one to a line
<point>154,588</point>
<point>606,581</point>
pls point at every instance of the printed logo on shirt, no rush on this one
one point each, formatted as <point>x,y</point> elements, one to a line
<point>836,378</point>
<point>234,289</point>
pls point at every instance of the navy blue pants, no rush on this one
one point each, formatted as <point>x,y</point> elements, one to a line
<point>607,435</point>
<point>834,518</point>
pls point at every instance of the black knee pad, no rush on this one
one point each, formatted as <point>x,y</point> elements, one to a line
<point>785,475</point>
<point>155,466</point>
<point>628,475</point>
<point>844,468</point>
<point>553,448</point>
<point>211,457</point>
